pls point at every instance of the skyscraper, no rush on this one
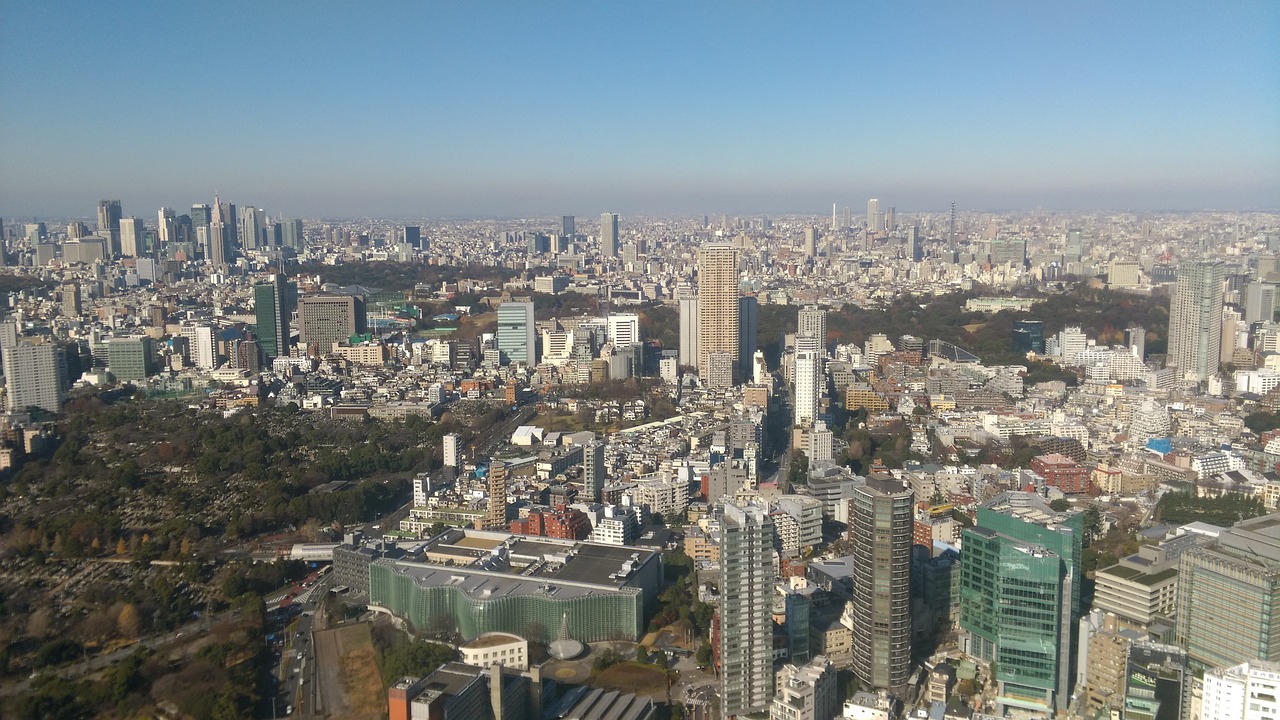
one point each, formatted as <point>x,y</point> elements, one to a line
<point>874,218</point>
<point>1022,554</point>
<point>593,474</point>
<point>1195,319</point>
<point>717,305</point>
<point>496,518</point>
<point>165,225</point>
<point>609,235</point>
<point>131,242</point>
<point>688,299</point>
<point>746,602</point>
<point>809,380</point>
<point>273,305</point>
<point>881,521</point>
<point>250,233</point>
<point>517,338</point>
<point>327,318</point>
<point>812,321</point>
<point>413,236</point>
<point>811,241</point>
<point>35,375</point>
<point>568,227</point>
<point>748,328</point>
<point>291,234</point>
<point>915,244</point>
<point>109,214</point>
<point>1260,302</point>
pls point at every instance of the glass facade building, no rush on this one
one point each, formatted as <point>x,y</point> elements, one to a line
<point>1020,598</point>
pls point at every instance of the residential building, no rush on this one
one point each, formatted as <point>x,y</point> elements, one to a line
<point>880,530</point>
<point>1195,319</point>
<point>717,308</point>
<point>806,692</point>
<point>35,376</point>
<point>1248,691</point>
<point>745,621</point>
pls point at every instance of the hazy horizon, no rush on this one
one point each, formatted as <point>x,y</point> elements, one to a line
<point>495,110</point>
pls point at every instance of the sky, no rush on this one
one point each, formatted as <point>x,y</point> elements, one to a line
<point>500,109</point>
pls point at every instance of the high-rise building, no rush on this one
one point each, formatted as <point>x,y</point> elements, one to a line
<point>201,215</point>
<point>811,241</point>
<point>201,346</point>
<point>1022,554</point>
<point>717,305</point>
<point>568,227</point>
<point>812,321</point>
<point>131,242</point>
<point>688,298</point>
<point>165,225</point>
<point>109,214</point>
<point>1228,595</point>
<point>216,250</point>
<point>748,328</point>
<point>413,236</point>
<point>517,339</point>
<point>131,359</point>
<point>874,217</point>
<point>593,472</point>
<point>291,234</point>
<point>624,329</point>
<point>250,234</point>
<point>809,380</point>
<point>746,602</point>
<point>71,300</point>
<point>915,244</point>
<point>1260,302</point>
<point>327,318</point>
<point>1028,336</point>
<point>1158,683</point>
<point>35,376</point>
<point>496,518</point>
<point>609,235</point>
<point>452,447</point>
<point>274,301</point>
<point>1195,319</point>
<point>881,521</point>
<point>1135,338</point>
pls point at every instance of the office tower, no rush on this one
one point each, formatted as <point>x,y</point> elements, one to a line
<point>1008,251</point>
<point>873,216</point>
<point>35,375</point>
<point>1195,319</point>
<point>329,318</point>
<point>1073,245</point>
<point>717,305</point>
<point>216,248</point>
<point>76,230</point>
<point>291,234</point>
<point>1158,683</point>
<point>687,296</point>
<point>201,215</point>
<point>130,230</point>
<point>748,328</point>
<point>809,380</point>
<point>746,602</point>
<point>1228,593</point>
<point>131,359</point>
<point>413,236</point>
<point>109,214</point>
<point>1022,554</point>
<point>568,227</point>
<point>951,231</point>
<point>593,473</point>
<point>165,225</point>
<point>1135,338</point>
<point>1260,302</point>
<point>891,219</point>
<point>835,219</point>
<point>452,446</point>
<point>517,341</point>
<point>811,241</point>
<point>812,321</point>
<point>915,244</point>
<point>202,347</point>
<point>881,521</point>
<point>273,305</point>
<point>623,329</point>
<point>496,517</point>
<point>806,692</point>
<point>1028,336</point>
<point>609,235</point>
<point>249,230</point>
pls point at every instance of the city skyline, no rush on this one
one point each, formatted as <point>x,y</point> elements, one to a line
<point>440,110</point>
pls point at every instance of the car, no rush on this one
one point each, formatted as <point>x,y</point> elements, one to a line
<point>299,656</point>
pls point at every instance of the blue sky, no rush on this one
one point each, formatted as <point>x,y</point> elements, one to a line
<point>543,108</point>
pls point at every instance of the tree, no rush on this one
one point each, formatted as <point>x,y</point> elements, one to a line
<point>1060,505</point>
<point>128,623</point>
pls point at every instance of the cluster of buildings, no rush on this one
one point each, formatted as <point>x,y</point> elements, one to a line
<point>951,579</point>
